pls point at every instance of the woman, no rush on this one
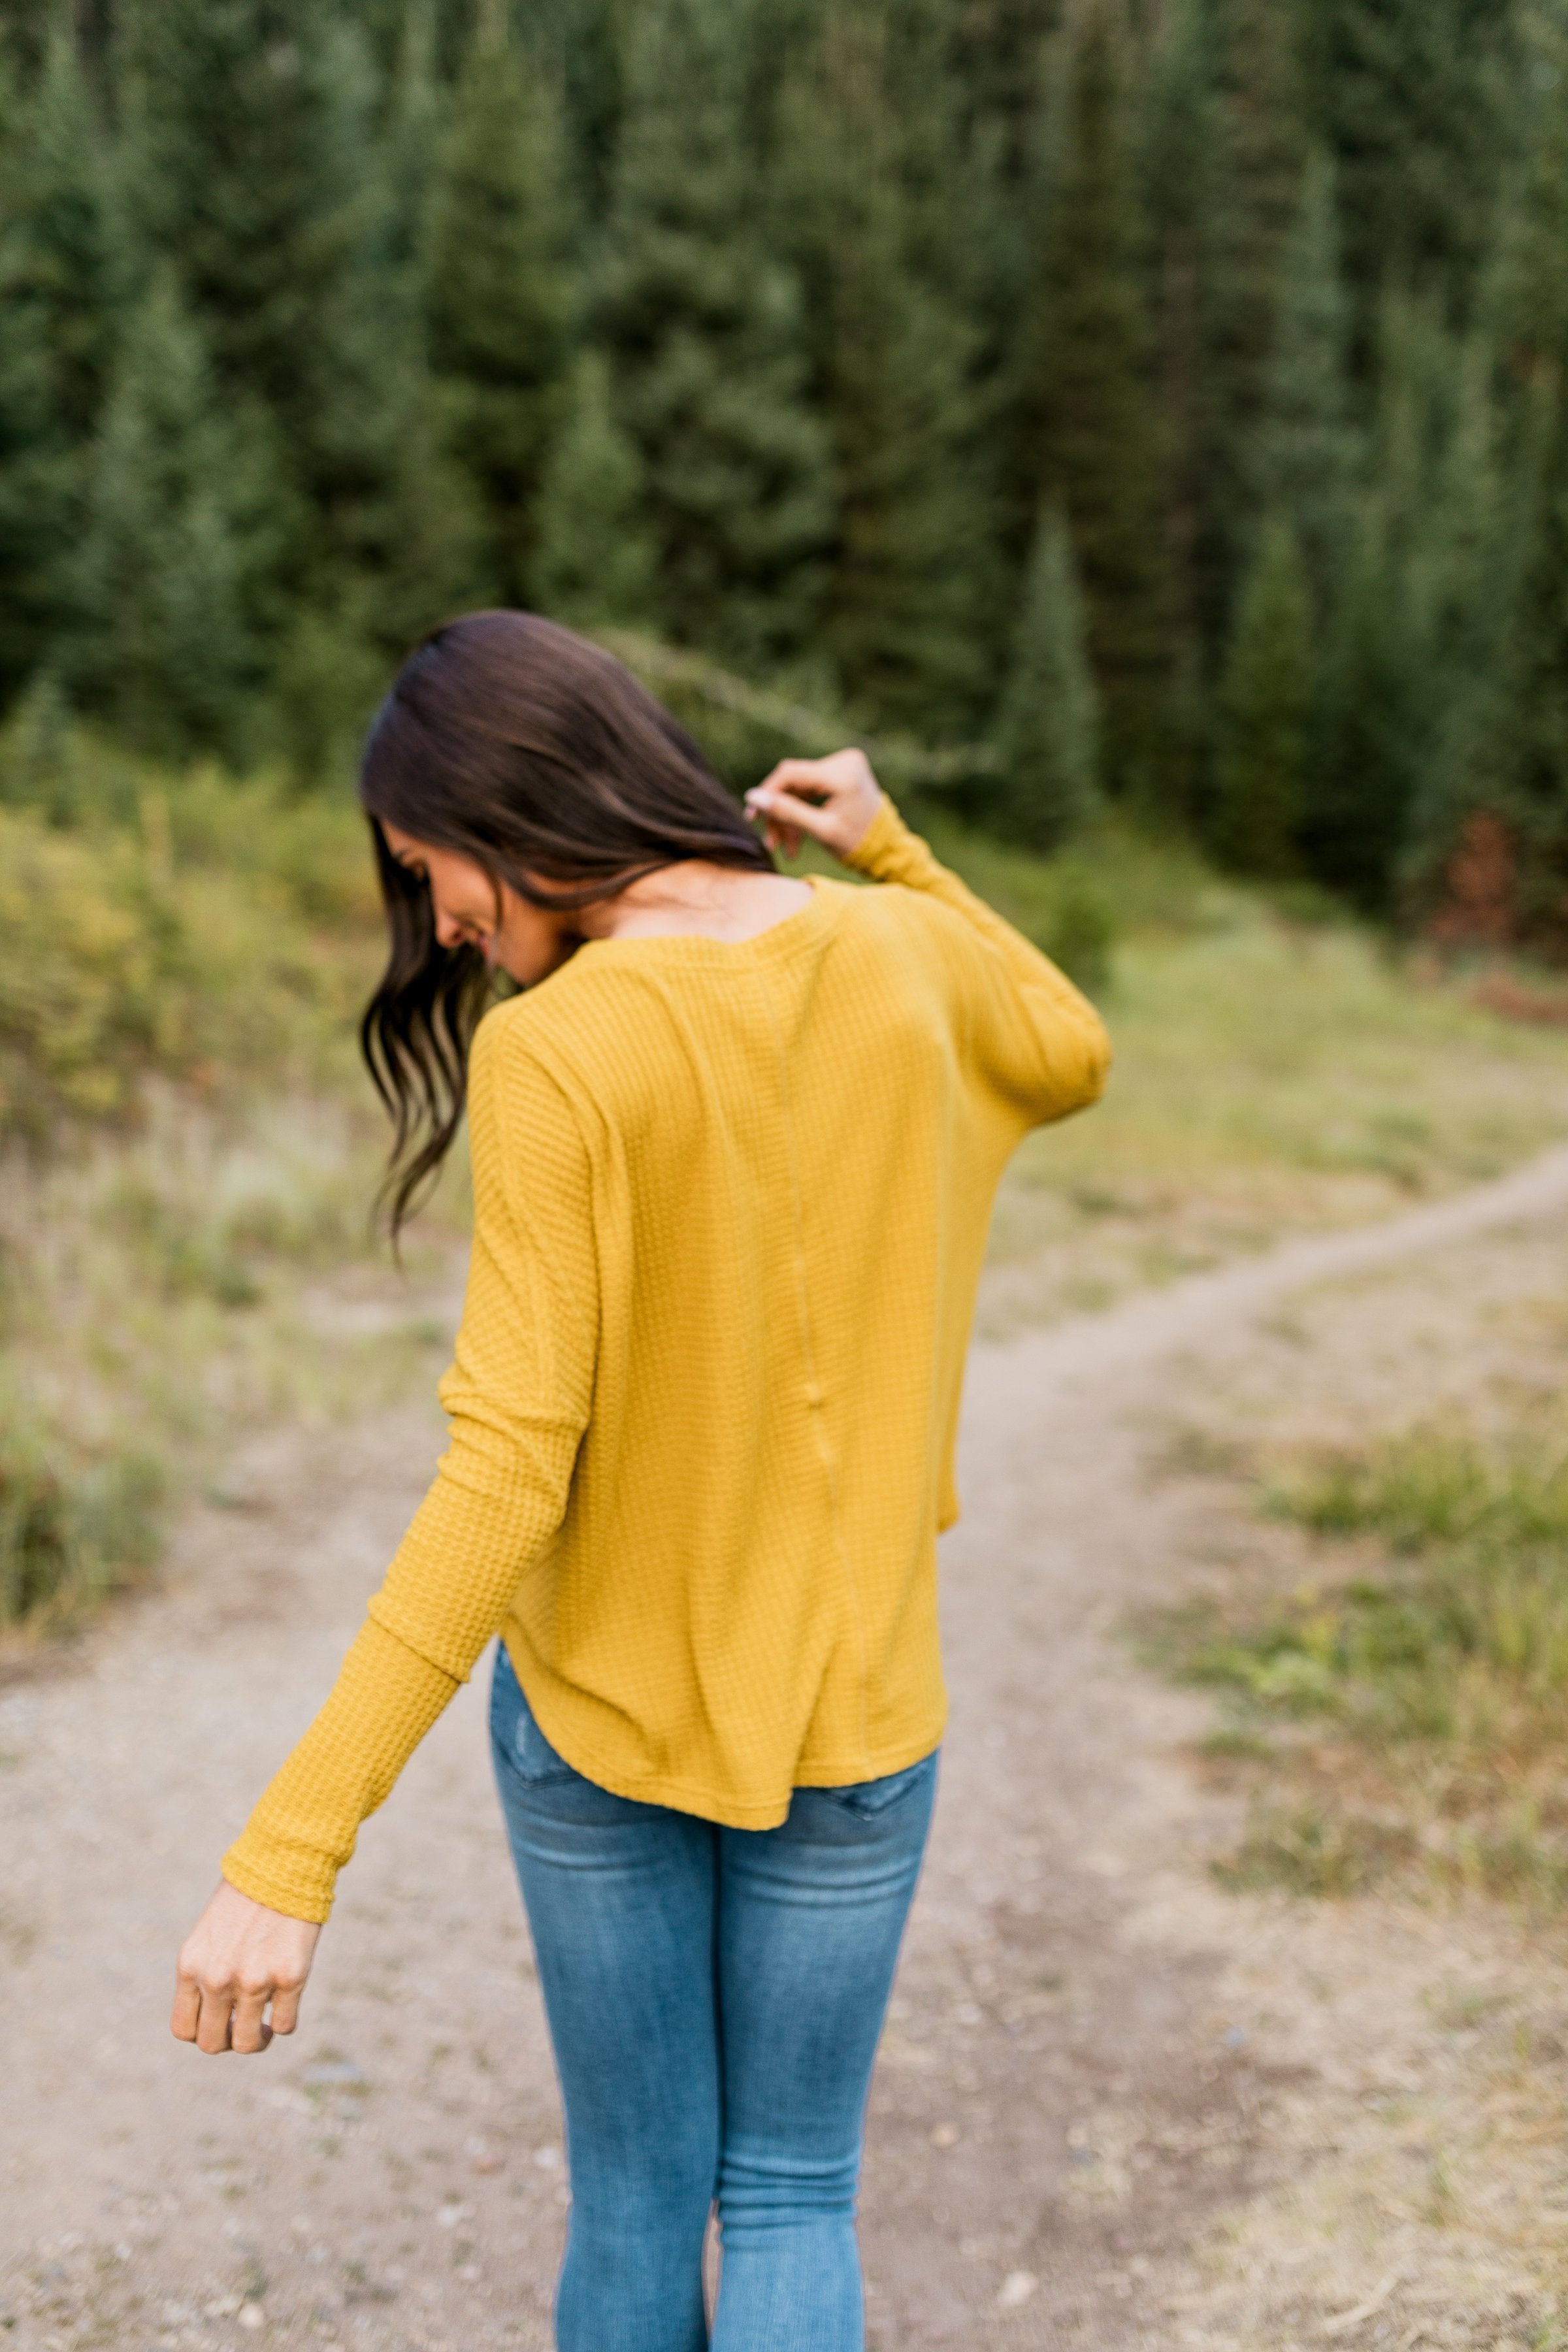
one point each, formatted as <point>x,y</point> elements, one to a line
<point>734,1148</point>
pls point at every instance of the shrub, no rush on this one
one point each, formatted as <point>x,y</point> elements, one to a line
<point>117,962</point>
<point>69,1537</point>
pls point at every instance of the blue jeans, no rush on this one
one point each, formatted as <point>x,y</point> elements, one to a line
<point>715,1998</point>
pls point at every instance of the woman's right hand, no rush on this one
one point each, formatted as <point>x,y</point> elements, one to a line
<point>238,1960</point>
<point>833,800</point>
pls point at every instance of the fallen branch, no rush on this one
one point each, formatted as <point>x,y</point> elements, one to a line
<point>1341,2323</point>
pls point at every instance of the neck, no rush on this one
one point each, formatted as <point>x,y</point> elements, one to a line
<point>697,898</point>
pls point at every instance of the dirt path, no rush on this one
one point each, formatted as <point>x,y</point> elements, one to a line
<point>1117,2108</point>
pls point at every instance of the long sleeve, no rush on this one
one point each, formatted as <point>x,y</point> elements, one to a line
<point>1038,1036</point>
<point>519,1395</point>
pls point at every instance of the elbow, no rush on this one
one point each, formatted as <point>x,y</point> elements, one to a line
<point>1080,1078</point>
<point>1097,1063</point>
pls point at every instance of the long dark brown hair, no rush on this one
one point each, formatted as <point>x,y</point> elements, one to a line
<point>536,753</point>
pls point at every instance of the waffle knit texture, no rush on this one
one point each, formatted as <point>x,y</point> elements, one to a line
<point>731,1203</point>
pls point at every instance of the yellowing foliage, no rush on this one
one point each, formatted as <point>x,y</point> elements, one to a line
<point>119,958</point>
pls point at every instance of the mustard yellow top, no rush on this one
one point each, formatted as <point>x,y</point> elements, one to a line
<point>730,1202</point>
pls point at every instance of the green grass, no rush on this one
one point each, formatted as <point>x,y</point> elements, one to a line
<point>1416,1710</point>
<point>1271,1077</point>
<point>71,1532</point>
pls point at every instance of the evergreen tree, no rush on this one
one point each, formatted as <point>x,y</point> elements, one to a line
<point>1369,735</point>
<point>497,294</point>
<point>593,560</point>
<point>1535,779</point>
<point>1411,645</point>
<point>411,141</point>
<point>24,29</point>
<point>58,290</point>
<point>253,169</point>
<point>439,29</point>
<point>1525,752</point>
<point>1415,719</point>
<point>912,588</point>
<point>579,48</point>
<point>997,65</point>
<point>918,44</point>
<point>1307,455</point>
<point>250,155</point>
<point>1180,134</point>
<point>704,327</point>
<point>1048,727</point>
<point>36,487</point>
<point>67,267</point>
<point>990,191</point>
<point>1089,404</point>
<point>1418,99</point>
<point>165,649</point>
<point>1265,698</point>
<point>1251,204</point>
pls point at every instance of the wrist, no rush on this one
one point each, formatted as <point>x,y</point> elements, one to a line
<point>879,839</point>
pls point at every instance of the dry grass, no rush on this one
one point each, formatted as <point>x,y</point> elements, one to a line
<point>1271,1077</point>
<point>1407,1714</point>
<point>174,1288</point>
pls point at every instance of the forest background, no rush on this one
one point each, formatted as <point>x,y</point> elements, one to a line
<point>1152,400</point>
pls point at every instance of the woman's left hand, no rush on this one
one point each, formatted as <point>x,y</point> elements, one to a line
<point>238,1958</point>
<point>834,800</point>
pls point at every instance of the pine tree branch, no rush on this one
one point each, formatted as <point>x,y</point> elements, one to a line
<point>808,731</point>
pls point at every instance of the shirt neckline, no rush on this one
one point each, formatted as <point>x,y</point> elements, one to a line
<point>699,947</point>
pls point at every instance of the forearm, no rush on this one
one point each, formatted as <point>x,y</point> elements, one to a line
<point>304,1830</point>
<point>445,1596</point>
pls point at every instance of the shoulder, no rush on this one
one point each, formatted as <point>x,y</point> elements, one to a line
<point>894,915</point>
<point>501,1046</point>
<point>553,1031</point>
<point>573,1050</point>
<point>526,1031</point>
<point>514,1065</point>
<point>527,1138</point>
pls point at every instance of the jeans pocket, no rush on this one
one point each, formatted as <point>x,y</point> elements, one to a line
<point>532,1758</point>
<point>867,1799</point>
<point>519,1742</point>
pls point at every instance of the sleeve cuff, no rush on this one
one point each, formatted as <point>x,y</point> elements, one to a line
<point>293,1881</point>
<point>889,851</point>
<point>877,845</point>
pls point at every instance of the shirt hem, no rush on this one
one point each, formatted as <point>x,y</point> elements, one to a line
<point>728,1812</point>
